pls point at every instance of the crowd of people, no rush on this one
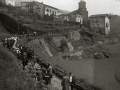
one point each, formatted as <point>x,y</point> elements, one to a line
<point>27,56</point>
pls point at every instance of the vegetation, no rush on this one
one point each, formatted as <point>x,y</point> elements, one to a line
<point>12,77</point>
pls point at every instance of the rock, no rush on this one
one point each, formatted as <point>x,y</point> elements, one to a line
<point>70,46</point>
<point>80,47</point>
<point>75,35</point>
<point>115,40</point>
<point>57,40</point>
<point>98,56</point>
<point>100,42</point>
<point>106,54</point>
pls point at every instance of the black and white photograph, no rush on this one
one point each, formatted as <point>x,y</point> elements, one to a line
<point>59,44</point>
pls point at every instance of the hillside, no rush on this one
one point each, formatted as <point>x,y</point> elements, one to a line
<point>3,32</point>
<point>11,76</point>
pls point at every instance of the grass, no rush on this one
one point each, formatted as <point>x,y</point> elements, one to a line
<point>3,32</point>
<point>11,77</point>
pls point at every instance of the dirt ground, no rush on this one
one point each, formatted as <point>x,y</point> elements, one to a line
<point>98,72</point>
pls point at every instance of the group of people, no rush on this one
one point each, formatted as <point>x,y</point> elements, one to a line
<point>68,82</point>
<point>9,42</point>
<point>43,73</point>
<point>26,55</point>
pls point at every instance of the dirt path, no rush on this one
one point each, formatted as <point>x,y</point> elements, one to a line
<point>56,82</point>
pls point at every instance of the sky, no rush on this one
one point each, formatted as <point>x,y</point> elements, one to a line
<point>93,6</point>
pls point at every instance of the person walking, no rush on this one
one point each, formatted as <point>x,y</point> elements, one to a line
<point>71,80</point>
<point>65,83</point>
<point>50,73</point>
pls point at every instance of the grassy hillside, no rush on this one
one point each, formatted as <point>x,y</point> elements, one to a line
<point>3,32</point>
<point>11,77</point>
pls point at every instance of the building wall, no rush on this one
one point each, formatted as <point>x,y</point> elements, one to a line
<point>72,17</point>
<point>83,10</point>
<point>98,24</point>
<point>66,18</point>
<point>82,5</point>
<point>50,10</point>
<point>42,9</point>
<point>38,8</point>
<point>24,3</point>
<point>79,18</point>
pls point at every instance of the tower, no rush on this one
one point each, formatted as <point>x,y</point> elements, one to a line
<point>83,10</point>
<point>82,5</point>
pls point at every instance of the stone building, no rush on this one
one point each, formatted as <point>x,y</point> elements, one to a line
<point>73,17</point>
<point>79,15</point>
<point>7,2</point>
<point>42,9</point>
<point>100,23</point>
<point>82,10</point>
<point>23,5</point>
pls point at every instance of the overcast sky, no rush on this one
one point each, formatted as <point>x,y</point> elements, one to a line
<point>93,6</point>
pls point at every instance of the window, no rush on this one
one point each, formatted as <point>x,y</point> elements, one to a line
<point>47,10</point>
<point>106,24</point>
<point>52,12</point>
<point>55,12</point>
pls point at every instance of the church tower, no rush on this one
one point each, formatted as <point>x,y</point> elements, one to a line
<point>82,5</point>
<point>83,10</point>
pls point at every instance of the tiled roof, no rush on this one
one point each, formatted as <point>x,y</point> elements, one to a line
<point>74,12</point>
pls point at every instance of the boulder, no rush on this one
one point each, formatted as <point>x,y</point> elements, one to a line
<point>100,42</point>
<point>75,35</point>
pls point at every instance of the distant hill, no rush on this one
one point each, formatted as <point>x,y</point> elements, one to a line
<point>65,11</point>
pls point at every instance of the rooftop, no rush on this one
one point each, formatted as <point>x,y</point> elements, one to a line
<point>99,15</point>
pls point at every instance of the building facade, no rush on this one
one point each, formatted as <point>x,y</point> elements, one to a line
<point>79,15</point>
<point>82,10</point>
<point>100,23</point>
<point>72,17</point>
<point>7,2</point>
<point>42,9</point>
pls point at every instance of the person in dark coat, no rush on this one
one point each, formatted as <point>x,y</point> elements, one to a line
<point>50,72</point>
<point>39,74</point>
<point>65,83</point>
